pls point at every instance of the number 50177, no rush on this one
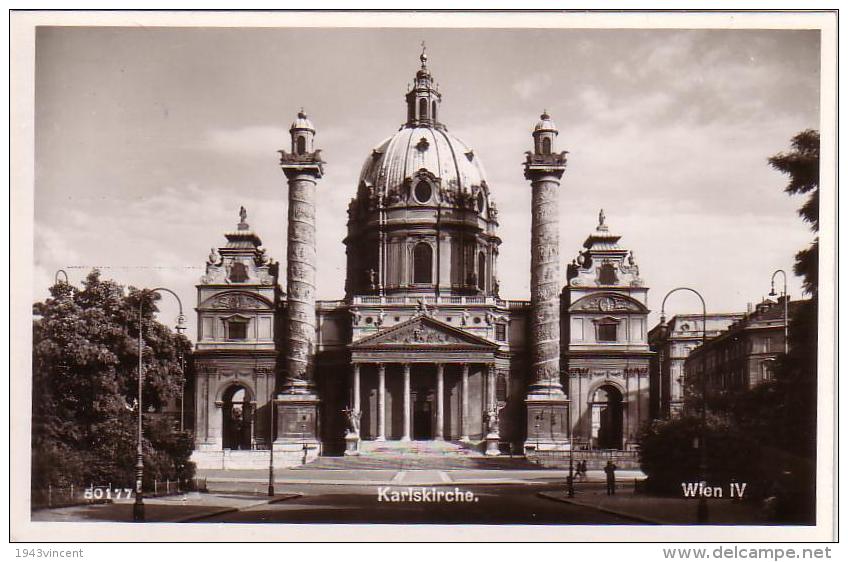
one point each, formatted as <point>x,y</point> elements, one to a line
<point>101,493</point>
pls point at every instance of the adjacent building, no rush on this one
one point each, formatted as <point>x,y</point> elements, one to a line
<point>744,354</point>
<point>671,345</point>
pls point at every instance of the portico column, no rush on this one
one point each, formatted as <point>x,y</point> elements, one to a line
<point>490,386</point>
<point>406,402</point>
<point>464,402</point>
<point>440,402</point>
<point>357,405</point>
<point>381,402</point>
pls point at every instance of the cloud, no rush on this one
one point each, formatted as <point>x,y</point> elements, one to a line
<point>529,87</point>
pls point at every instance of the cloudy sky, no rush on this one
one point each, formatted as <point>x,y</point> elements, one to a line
<point>149,139</point>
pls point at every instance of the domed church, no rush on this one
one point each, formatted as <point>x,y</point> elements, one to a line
<point>421,348</point>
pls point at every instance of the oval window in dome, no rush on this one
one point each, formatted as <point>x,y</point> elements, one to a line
<point>423,191</point>
<point>481,202</point>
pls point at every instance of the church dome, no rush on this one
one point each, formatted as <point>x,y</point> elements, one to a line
<point>545,123</point>
<point>413,149</point>
<point>302,123</point>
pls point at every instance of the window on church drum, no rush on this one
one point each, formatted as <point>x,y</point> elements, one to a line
<point>500,332</point>
<point>422,263</point>
<point>423,191</point>
<point>481,271</point>
<point>237,330</point>
<point>301,145</point>
<point>434,110</point>
<point>546,145</point>
<point>238,273</point>
<point>422,109</point>
<point>607,331</point>
<point>607,275</point>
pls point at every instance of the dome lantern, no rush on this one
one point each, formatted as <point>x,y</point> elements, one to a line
<point>423,100</point>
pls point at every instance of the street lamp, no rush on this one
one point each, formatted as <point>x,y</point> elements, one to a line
<point>703,509</point>
<point>785,296</point>
<point>138,506</point>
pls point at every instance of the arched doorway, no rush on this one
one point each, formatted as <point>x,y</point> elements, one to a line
<point>607,417</point>
<point>238,419</point>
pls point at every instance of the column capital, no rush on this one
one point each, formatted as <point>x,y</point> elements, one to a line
<point>381,367</point>
<point>407,368</point>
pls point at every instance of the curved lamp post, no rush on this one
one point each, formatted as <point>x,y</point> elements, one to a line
<point>785,296</point>
<point>138,506</point>
<point>703,512</point>
<point>65,273</point>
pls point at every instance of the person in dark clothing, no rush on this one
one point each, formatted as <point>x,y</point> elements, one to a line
<point>609,469</point>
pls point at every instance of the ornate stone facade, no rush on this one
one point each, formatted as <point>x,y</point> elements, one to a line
<point>421,347</point>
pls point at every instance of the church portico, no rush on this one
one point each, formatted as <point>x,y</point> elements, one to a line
<point>418,400</point>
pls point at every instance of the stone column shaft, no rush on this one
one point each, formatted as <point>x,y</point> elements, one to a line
<point>407,396</point>
<point>544,283</point>
<point>464,402</point>
<point>440,402</point>
<point>300,280</point>
<point>492,398</point>
<point>381,402</point>
<point>357,404</point>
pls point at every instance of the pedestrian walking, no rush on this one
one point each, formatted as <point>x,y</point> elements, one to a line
<point>609,469</point>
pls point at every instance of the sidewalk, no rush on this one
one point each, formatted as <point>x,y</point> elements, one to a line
<point>661,510</point>
<point>216,478</point>
<point>182,508</point>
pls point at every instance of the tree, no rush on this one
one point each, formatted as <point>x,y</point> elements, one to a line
<point>801,164</point>
<point>85,386</point>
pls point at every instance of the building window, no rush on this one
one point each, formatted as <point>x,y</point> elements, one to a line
<point>481,271</point>
<point>423,191</point>
<point>301,145</point>
<point>422,109</point>
<point>546,145</point>
<point>607,276</point>
<point>500,332</point>
<point>434,110</point>
<point>608,331</point>
<point>238,273</point>
<point>236,330</point>
<point>422,263</point>
<point>501,388</point>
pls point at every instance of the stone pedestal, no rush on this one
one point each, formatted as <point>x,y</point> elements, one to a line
<point>493,445</point>
<point>297,426</point>
<point>547,424</point>
<point>351,445</point>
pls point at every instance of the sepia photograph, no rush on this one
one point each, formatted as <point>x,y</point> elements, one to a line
<point>565,274</point>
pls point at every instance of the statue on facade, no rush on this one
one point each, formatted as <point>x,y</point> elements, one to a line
<point>422,308</point>
<point>352,416</point>
<point>381,317</point>
<point>243,215</point>
<point>492,419</point>
<point>372,279</point>
<point>214,257</point>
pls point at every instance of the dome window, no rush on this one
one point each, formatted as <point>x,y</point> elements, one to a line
<point>422,263</point>
<point>422,108</point>
<point>301,145</point>
<point>434,110</point>
<point>423,191</point>
<point>546,145</point>
<point>481,202</point>
<point>481,271</point>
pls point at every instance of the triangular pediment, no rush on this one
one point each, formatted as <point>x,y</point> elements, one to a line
<point>423,332</point>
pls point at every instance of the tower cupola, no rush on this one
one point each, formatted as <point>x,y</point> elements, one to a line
<point>423,99</point>
<point>544,135</point>
<point>302,134</point>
